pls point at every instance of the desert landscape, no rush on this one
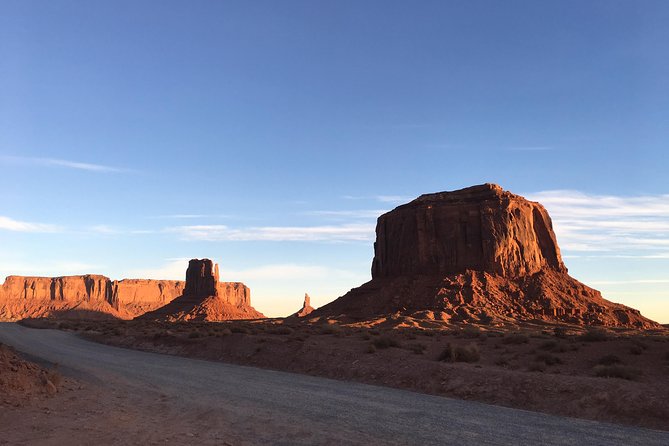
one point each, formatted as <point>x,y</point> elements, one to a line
<point>334,223</point>
<point>469,299</point>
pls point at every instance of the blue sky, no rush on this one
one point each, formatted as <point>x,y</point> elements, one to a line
<point>269,135</point>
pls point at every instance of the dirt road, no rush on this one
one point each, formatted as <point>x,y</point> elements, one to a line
<point>145,398</point>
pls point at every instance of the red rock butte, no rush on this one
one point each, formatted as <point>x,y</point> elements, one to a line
<point>480,254</point>
<point>206,299</point>
<point>202,297</point>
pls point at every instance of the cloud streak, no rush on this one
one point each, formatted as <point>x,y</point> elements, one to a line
<point>329,233</point>
<point>631,227</point>
<point>54,162</point>
<point>9,224</point>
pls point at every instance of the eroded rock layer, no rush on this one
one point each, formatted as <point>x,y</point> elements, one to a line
<point>479,254</point>
<point>206,299</point>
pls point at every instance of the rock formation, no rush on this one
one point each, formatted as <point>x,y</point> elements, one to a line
<point>306,309</point>
<point>206,299</point>
<point>479,254</point>
<point>88,296</point>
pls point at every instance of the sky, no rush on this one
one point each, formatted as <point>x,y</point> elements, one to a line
<point>269,136</point>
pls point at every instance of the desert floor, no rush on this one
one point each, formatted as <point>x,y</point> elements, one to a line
<point>619,376</point>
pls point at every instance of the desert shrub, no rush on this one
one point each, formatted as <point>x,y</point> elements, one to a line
<point>638,347</point>
<point>194,335</point>
<point>331,329</point>
<point>609,360</point>
<point>470,332</point>
<point>560,332</point>
<point>371,348</point>
<point>281,331</point>
<point>501,362</point>
<point>636,350</point>
<point>366,336</point>
<point>417,348</point>
<point>616,371</point>
<point>65,326</point>
<point>547,359</point>
<point>374,332</point>
<point>548,345</point>
<point>515,338</point>
<point>239,329</point>
<point>537,367</point>
<point>225,332</point>
<point>385,342</point>
<point>594,335</point>
<point>469,353</point>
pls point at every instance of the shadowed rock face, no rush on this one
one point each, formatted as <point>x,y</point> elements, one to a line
<point>479,254</point>
<point>206,299</point>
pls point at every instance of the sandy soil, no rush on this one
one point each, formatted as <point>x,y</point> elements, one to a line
<point>616,376</point>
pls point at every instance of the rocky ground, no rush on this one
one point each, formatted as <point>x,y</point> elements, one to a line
<point>620,376</point>
<point>23,382</point>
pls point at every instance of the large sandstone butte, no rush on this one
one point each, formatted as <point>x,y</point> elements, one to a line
<point>206,299</point>
<point>89,296</point>
<point>481,255</point>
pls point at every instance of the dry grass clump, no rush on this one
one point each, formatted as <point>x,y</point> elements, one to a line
<point>460,353</point>
<point>616,371</point>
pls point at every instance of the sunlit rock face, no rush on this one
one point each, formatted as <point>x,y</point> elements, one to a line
<point>87,296</point>
<point>206,299</point>
<point>480,254</point>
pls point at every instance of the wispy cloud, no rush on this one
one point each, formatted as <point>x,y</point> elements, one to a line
<point>9,224</point>
<point>355,214</point>
<point>529,149</point>
<point>632,227</point>
<point>332,233</point>
<point>54,162</point>
<point>381,198</point>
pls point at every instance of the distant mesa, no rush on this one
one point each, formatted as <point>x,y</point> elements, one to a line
<point>206,299</point>
<point>306,309</point>
<point>480,254</point>
<point>90,296</point>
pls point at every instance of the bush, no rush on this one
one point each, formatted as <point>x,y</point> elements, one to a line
<point>609,360</point>
<point>417,348</point>
<point>470,332</point>
<point>281,331</point>
<point>194,335</point>
<point>239,329</point>
<point>636,350</point>
<point>616,371</point>
<point>537,367</point>
<point>594,335</point>
<point>560,332</point>
<point>548,345</point>
<point>547,359</point>
<point>516,339</point>
<point>385,342</point>
<point>460,353</point>
<point>371,348</point>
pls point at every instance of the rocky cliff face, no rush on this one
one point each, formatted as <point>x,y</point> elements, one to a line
<point>206,299</point>
<point>87,296</point>
<point>479,254</point>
